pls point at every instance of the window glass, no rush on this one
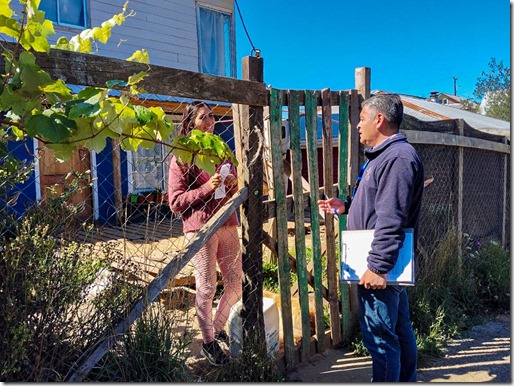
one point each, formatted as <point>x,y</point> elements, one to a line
<point>72,12</point>
<point>215,41</point>
<point>148,169</point>
<point>65,12</point>
<point>50,8</point>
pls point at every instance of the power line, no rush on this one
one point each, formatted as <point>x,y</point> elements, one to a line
<point>257,51</point>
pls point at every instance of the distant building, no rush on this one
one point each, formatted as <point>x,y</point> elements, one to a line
<point>449,100</point>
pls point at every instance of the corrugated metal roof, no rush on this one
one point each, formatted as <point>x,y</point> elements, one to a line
<point>428,111</point>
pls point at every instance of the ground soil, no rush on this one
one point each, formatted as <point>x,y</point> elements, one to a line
<point>479,355</point>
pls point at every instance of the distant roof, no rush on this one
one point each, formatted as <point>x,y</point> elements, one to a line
<point>431,111</point>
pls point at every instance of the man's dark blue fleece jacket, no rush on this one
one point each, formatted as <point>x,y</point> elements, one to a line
<point>388,199</point>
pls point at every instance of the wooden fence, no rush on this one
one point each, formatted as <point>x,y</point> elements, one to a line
<point>249,97</point>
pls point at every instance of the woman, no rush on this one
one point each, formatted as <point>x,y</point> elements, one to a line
<point>191,193</point>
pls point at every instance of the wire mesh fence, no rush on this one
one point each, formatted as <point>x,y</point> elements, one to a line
<point>83,241</point>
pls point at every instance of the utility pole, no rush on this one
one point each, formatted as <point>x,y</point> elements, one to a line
<point>455,85</point>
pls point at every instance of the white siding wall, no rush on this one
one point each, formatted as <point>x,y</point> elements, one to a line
<point>165,28</point>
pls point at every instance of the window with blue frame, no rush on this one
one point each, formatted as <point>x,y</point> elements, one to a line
<point>216,41</point>
<point>69,13</point>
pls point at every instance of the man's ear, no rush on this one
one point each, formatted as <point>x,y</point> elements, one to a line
<point>380,119</point>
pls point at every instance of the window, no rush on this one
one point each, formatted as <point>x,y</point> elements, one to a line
<point>71,13</point>
<point>216,42</point>
<point>148,169</point>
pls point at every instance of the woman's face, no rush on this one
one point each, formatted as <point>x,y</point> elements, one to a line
<point>204,120</point>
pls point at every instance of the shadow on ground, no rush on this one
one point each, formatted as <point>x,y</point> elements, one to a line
<point>481,355</point>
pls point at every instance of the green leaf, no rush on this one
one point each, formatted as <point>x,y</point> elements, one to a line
<point>89,92</point>
<point>84,109</point>
<point>140,56</point>
<point>54,128</point>
<point>62,152</point>
<point>62,44</point>
<point>9,26</point>
<point>36,32</point>
<point>130,144</point>
<point>58,87</point>
<point>184,155</point>
<point>206,163</point>
<point>143,114</point>
<point>113,83</point>
<point>136,78</point>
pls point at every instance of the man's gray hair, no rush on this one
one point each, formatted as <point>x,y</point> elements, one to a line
<point>389,105</point>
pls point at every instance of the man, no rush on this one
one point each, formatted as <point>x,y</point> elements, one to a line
<point>387,198</point>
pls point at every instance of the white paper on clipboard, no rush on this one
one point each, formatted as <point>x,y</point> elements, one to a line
<point>355,247</point>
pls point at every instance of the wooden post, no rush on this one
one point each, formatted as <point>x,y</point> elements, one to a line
<point>363,81</point>
<point>248,135</point>
<point>460,188</point>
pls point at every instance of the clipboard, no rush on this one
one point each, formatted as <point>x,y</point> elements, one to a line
<point>355,247</point>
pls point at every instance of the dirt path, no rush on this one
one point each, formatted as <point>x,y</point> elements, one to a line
<point>480,355</point>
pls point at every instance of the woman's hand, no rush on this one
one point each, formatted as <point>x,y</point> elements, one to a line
<point>231,184</point>
<point>215,181</point>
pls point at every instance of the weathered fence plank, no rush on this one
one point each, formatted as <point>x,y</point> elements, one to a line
<point>344,190</point>
<point>311,123</point>
<point>95,70</point>
<point>328,182</point>
<point>281,224</point>
<point>299,220</point>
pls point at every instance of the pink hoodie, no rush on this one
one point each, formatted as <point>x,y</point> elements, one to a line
<point>191,197</point>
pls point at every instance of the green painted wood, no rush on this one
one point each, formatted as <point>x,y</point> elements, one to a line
<point>299,220</point>
<point>328,186</point>
<point>284,273</point>
<point>344,191</point>
<point>311,124</point>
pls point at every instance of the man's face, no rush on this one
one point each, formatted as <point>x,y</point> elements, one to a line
<point>368,129</point>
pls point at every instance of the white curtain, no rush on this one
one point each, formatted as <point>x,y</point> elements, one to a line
<point>212,40</point>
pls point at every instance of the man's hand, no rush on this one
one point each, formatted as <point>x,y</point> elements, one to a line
<point>372,280</point>
<point>333,205</point>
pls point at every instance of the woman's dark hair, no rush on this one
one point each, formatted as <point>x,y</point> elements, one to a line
<point>189,115</point>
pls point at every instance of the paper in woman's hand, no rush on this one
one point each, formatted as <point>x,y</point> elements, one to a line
<point>220,190</point>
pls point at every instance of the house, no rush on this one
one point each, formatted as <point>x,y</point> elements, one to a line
<point>447,99</point>
<point>185,34</point>
<point>431,111</point>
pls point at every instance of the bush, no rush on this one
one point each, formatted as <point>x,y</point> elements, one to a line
<point>456,288</point>
<point>42,280</point>
<point>152,351</point>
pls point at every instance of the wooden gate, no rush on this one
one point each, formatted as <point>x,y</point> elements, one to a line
<point>331,163</point>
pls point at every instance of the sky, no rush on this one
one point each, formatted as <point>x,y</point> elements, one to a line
<point>412,47</point>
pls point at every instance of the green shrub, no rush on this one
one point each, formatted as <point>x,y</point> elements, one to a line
<point>154,350</point>
<point>456,287</point>
<point>42,280</point>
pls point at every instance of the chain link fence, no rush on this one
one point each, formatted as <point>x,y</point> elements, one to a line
<point>83,240</point>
